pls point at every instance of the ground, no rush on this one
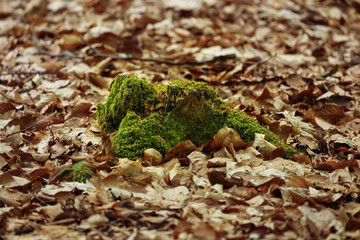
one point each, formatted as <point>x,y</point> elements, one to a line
<point>291,64</point>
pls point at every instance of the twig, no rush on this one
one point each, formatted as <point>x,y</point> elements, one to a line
<point>342,182</point>
<point>36,125</point>
<point>256,64</point>
<point>330,72</point>
<point>266,60</point>
<point>10,99</point>
<point>67,54</point>
<point>113,57</point>
<point>34,36</point>
<point>27,91</point>
<point>28,73</point>
<point>148,209</point>
<point>160,61</point>
<point>31,97</point>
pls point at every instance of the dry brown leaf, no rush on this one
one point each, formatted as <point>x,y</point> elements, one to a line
<point>9,181</point>
<point>178,194</point>
<point>333,165</point>
<point>52,211</point>
<point>7,25</point>
<point>301,158</point>
<point>71,41</point>
<point>263,146</point>
<point>184,148</point>
<point>4,107</point>
<point>3,162</point>
<point>218,162</point>
<point>99,80</point>
<point>13,198</point>
<point>298,182</point>
<point>223,138</point>
<point>81,109</point>
<point>331,113</point>
<point>340,176</point>
<point>152,156</point>
<point>322,220</point>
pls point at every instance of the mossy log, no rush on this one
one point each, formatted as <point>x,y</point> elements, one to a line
<point>146,116</point>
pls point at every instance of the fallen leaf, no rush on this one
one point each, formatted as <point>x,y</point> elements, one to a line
<point>223,138</point>
<point>263,146</point>
<point>178,194</point>
<point>184,148</point>
<point>152,156</point>
<point>331,113</point>
<point>333,165</point>
<point>9,181</point>
<point>13,198</point>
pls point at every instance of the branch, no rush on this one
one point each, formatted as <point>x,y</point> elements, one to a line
<point>256,64</point>
<point>230,56</point>
<point>65,54</point>
<point>266,60</point>
<point>70,55</point>
<point>28,73</point>
<point>36,125</point>
<point>11,100</point>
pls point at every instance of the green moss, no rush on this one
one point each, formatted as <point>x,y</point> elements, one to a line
<point>247,127</point>
<point>82,174</point>
<point>135,135</point>
<point>176,91</point>
<point>126,94</point>
<point>202,87</point>
<point>188,110</point>
<point>194,119</point>
<point>192,111</point>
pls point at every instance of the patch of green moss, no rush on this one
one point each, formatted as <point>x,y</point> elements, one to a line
<point>190,110</point>
<point>247,127</point>
<point>82,174</point>
<point>176,91</point>
<point>135,135</point>
<point>193,119</point>
<point>201,87</point>
<point>126,94</point>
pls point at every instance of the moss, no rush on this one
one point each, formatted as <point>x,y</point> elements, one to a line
<point>247,127</point>
<point>202,87</point>
<point>126,94</point>
<point>135,135</point>
<point>195,120</point>
<point>82,174</point>
<point>176,91</point>
<point>190,110</point>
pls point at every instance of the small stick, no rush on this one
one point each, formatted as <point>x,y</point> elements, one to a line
<point>31,97</point>
<point>36,125</point>
<point>113,57</point>
<point>28,73</point>
<point>67,54</point>
<point>266,60</point>
<point>10,99</point>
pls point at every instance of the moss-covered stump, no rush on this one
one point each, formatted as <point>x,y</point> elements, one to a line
<point>82,174</point>
<point>147,116</point>
<point>135,135</point>
<point>126,94</point>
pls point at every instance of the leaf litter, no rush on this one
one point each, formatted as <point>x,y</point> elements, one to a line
<point>291,65</point>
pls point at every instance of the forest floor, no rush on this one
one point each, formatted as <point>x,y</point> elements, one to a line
<point>293,65</point>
